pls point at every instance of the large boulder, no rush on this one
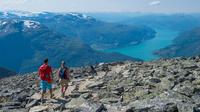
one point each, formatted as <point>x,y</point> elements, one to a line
<point>38,108</point>
<point>82,105</point>
<point>153,105</point>
<point>95,85</point>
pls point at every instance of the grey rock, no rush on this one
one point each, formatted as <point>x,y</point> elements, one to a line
<point>75,102</point>
<point>10,107</point>
<point>33,103</point>
<point>96,84</point>
<point>153,105</point>
<point>191,66</point>
<point>74,95</point>
<point>20,97</point>
<point>155,80</point>
<point>38,109</point>
<point>10,104</point>
<point>86,95</point>
<point>109,100</point>
<point>90,107</point>
<point>196,108</point>
<point>186,89</point>
<point>196,98</point>
<point>119,89</point>
<point>17,110</point>
<point>5,94</point>
<point>170,107</point>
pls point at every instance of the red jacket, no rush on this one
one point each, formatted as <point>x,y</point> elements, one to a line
<point>45,72</point>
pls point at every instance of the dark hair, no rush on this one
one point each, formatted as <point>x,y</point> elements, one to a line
<point>46,61</point>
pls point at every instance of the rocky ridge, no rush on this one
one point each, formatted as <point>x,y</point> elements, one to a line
<point>166,85</point>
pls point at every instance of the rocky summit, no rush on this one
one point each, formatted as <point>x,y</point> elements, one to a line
<point>165,85</point>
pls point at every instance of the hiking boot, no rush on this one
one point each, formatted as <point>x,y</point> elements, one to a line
<point>52,96</point>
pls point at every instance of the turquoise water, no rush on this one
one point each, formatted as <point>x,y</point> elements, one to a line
<point>145,49</point>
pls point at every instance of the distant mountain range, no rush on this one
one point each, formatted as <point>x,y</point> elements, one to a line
<point>97,34</point>
<point>25,43</point>
<point>179,22</point>
<point>186,44</point>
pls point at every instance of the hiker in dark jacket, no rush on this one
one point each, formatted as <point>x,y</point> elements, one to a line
<point>64,78</point>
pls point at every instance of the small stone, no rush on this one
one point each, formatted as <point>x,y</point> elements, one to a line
<point>38,109</point>
<point>10,104</point>
<point>86,95</point>
<point>196,108</point>
<point>155,80</point>
<point>109,100</point>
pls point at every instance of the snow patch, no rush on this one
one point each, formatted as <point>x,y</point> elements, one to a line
<point>81,16</point>
<point>31,24</point>
<point>84,16</point>
<point>24,14</point>
<point>5,14</point>
<point>2,23</point>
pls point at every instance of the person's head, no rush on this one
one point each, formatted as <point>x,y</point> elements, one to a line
<point>46,61</point>
<point>62,63</point>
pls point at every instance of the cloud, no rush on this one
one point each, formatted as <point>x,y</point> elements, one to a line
<point>13,1</point>
<point>12,4</point>
<point>154,3</point>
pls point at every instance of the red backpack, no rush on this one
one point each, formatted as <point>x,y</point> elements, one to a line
<point>45,73</point>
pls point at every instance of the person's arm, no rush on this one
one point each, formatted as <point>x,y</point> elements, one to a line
<point>38,78</point>
<point>39,74</point>
<point>58,73</point>
<point>51,73</point>
<point>68,74</point>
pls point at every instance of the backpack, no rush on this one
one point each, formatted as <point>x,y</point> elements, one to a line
<point>45,72</point>
<point>63,73</point>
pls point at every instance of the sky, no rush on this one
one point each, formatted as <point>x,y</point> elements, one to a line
<point>156,6</point>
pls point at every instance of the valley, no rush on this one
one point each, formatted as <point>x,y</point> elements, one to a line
<point>145,50</point>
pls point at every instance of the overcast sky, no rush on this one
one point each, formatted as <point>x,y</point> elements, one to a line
<point>102,5</point>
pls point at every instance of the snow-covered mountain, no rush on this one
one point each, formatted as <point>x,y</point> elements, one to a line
<point>24,14</point>
<point>99,35</point>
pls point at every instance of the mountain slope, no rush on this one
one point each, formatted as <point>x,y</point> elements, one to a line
<point>99,35</point>
<point>6,73</point>
<point>170,85</point>
<point>186,44</point>
<point>25,43</point>
<point>179,22</point>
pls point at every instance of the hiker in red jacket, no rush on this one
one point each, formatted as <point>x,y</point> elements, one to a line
<point>45,74</point>
<point>64,78</point>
